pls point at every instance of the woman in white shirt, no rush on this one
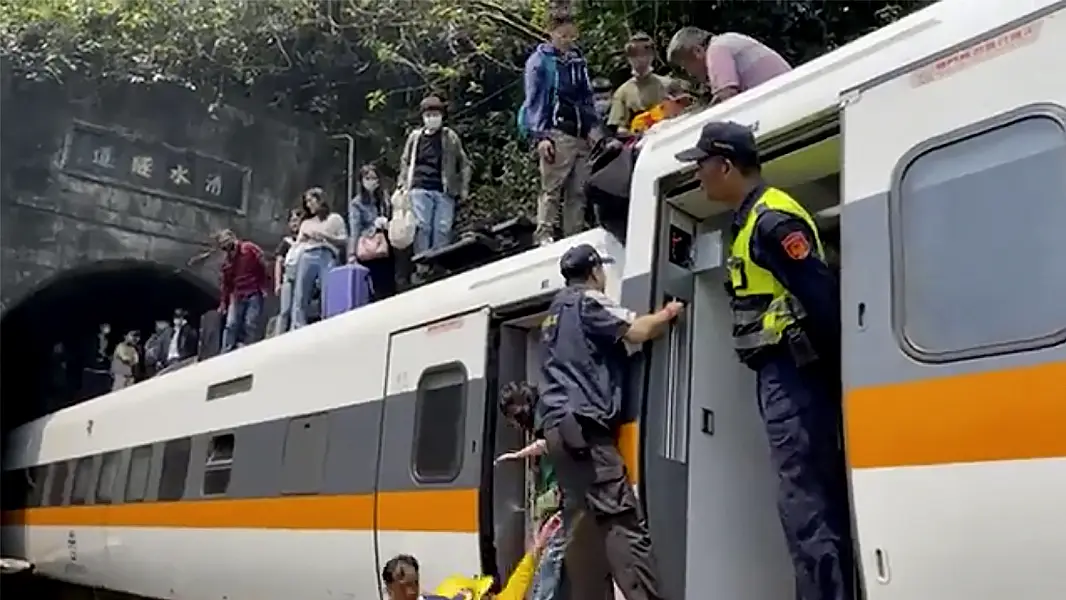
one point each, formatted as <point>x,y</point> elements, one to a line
<point>322,238</point>
<point>285,258</point>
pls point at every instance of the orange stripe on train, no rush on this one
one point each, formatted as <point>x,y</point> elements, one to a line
<point>423,510</point>
<point>1013,414</point>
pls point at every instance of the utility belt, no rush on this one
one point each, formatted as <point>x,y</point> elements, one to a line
<point>795,344</point>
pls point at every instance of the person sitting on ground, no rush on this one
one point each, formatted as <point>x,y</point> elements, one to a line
<point>478,588</point>
<point>677,100</point>
<point>730,63</point>
<point>401,581</point>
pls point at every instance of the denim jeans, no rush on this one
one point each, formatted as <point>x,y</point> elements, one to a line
<point>313,265</point>
<point>242,317</point>
<point>548,581</point>
<point>284,319</point>
<point>435,215</point>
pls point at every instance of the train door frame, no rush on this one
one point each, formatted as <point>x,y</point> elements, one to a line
<point>940,452</point>
<point>446,348</point>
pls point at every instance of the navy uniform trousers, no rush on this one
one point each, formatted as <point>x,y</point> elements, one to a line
<point>801,410</point>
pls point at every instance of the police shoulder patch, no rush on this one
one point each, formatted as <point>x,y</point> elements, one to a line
<point>796,245</point>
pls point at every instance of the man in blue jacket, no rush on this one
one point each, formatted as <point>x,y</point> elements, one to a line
<point>559,114</point>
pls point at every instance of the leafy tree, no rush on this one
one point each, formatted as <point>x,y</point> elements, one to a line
<point>361,66</point>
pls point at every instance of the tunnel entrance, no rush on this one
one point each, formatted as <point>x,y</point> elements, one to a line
<point>50,337</point>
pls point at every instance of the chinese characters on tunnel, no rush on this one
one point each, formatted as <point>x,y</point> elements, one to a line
<point>111,157</point>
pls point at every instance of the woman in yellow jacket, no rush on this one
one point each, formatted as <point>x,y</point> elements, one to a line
<point>477,588</point>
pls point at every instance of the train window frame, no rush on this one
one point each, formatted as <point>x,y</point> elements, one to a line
<point>432,376</point>
<point>105,494</point>
<point>60,473</point>
<point>171,487</point>
<point>136,453</point>
<point>84,472</point>
<point>897,206</point>
<point>218,468</point>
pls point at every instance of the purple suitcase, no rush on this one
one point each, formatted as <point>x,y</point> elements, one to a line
<point>347,287</point>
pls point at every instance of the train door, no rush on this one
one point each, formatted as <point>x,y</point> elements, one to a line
<point>430,459</point>
<point>954,274</point>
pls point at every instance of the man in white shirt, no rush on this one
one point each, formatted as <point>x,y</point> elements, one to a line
<point>180,339</point>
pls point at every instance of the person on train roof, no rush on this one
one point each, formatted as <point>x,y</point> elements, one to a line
<point>729,63</point>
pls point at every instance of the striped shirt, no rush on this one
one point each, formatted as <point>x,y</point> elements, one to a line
<point>737,61</point>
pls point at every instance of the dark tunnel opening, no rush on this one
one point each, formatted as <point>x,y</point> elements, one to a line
<point>38,375</point>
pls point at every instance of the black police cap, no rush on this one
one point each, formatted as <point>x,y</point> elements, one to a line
<point>726,139</point>
<point>581,260</point>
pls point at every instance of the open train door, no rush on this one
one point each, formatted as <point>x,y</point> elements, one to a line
<point>954,319</point>
<point>430,460</point>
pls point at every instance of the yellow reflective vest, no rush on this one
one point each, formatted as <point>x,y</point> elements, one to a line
<point>762,308</point>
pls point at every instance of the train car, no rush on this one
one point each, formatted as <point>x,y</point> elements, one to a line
<point>295,467</point>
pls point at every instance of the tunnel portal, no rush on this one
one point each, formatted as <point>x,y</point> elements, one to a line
<point>50,337</point>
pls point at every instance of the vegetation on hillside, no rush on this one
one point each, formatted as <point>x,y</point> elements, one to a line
<point>361,66</point>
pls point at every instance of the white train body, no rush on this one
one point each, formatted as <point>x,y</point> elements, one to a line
<point>295,467</point>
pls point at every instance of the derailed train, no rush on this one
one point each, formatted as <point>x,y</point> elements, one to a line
<point>295,467</point>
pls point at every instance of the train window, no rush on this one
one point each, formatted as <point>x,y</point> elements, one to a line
<point>230,387</point>
<point>58,486</point>
<point>105,483</point>
<point>83,481</point>
<point>439,424</point>
<point>976,221</point>
<point>137,477</point>
<point>219,465</point>
<point>175,467</point>
<point>35,480</point>
<point>304,456</point>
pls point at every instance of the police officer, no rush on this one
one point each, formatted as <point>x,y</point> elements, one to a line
<point>786,327</point>
<point>586,342</point>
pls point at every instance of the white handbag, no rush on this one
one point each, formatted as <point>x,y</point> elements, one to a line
<point>402,226</point>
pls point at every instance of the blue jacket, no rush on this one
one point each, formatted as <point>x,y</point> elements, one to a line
<point>545,84</point>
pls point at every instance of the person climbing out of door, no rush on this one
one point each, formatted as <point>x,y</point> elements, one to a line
<point>786,328</point>
<point>517,402</point>
<point>586,340</point>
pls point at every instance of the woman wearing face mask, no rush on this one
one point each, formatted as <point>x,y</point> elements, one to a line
<point>438,172</point>
<point>368,219</point>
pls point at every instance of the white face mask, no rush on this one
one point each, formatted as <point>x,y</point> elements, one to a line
<point>432,121</point>
<point>370,184</point>
<point>603,106</point>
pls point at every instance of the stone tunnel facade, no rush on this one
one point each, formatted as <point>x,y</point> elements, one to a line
<point>147,173</point>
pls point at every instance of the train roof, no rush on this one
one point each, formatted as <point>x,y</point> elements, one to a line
<point>160,408</point>
<point>818,88</point>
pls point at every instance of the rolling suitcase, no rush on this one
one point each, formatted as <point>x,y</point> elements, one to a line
<point>347,287</point>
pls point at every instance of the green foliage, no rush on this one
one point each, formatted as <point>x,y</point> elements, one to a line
<point>361,66</point>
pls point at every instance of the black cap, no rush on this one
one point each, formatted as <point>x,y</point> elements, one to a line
<point>580,260</point>
<point>726,139</point>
